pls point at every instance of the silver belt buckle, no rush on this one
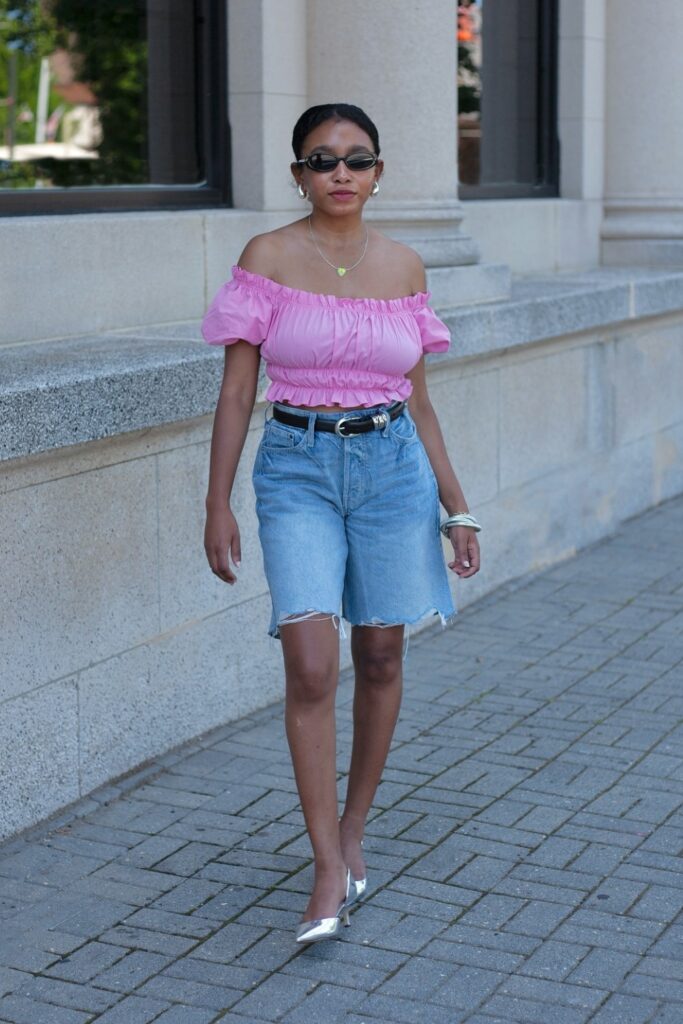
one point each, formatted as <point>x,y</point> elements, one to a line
<point>342,419</point>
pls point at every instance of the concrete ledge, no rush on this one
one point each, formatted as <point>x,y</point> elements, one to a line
<point>68,391</point>
<point>547,306</point>
<point>60,393</point>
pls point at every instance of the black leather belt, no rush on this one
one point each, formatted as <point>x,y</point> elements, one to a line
<point>345,426</point>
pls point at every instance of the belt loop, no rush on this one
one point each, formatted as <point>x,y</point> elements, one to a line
<point>385,428</point>
<point>310,432</point>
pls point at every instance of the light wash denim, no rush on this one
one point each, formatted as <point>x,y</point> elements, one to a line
<point>350,525</point>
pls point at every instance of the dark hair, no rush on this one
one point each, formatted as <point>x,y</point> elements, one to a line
<point>314,116</point>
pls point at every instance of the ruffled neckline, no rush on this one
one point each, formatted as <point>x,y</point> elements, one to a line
<point>399,305</point>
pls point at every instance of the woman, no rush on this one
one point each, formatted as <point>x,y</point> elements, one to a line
<point>348,474</point>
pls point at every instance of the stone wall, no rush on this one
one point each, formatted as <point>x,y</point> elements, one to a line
<point>119,643</point>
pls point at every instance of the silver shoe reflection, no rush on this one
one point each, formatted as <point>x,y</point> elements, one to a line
<point>327,927</point>
<point>360,884</point>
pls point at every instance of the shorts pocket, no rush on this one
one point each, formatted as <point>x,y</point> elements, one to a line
<point>281,437</point>
<point>403,429</point>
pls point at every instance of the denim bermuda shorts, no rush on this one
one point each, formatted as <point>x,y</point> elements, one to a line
<point>349,526</point>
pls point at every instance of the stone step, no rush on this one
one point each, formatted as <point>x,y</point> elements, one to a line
<point>468,285</point>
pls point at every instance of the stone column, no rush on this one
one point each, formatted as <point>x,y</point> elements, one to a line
<point>397,59</point>
<point>267,92</point>
<point>643,220</point>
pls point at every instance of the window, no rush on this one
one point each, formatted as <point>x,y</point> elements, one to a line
<point>112,104</point>
<point>507,98</point>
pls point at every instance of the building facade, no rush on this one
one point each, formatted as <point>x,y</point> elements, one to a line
<point>543,190</point>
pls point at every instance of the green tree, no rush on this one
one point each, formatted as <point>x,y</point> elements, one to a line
<point>27,33</point>
<point>469,88</point>
<point>107,45</point>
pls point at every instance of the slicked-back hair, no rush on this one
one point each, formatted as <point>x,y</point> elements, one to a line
<point>314,116</point>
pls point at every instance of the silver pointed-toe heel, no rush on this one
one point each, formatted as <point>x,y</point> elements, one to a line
<point>358,887</point>
<point>360,884</point>
<point>326,927</point>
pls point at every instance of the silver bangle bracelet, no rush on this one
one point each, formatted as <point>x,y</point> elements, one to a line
<point>459,519</point>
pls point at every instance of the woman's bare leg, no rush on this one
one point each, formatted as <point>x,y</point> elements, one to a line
<point>311,654</point>
<point>377,658</point>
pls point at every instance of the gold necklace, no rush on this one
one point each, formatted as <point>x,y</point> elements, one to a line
<point>340,270</point>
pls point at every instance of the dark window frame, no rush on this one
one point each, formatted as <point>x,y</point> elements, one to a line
<point>215,191</point>
<point>547,139</point>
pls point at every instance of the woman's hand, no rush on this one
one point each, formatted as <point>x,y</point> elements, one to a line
<point>466,551</point>
<point>221,538</point>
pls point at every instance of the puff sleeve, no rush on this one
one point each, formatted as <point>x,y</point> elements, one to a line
<point>237,311</point>
<point>434,334</point>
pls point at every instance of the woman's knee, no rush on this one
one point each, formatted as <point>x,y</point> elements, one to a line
<point>378,659</point>
<point>311,654</point>
<point>310,682</point>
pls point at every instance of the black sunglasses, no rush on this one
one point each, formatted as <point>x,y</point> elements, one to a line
<point>328,162</point>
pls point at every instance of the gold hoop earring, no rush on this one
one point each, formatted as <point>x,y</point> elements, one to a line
<point>375,188</point>
<point>302,193</point>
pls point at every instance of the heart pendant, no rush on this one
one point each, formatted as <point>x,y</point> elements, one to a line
<point>341,271</point>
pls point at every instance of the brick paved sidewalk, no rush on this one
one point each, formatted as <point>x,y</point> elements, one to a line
<point>524,854</point>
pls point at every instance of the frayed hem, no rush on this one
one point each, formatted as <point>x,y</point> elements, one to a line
<point>286,618</point>
<point>445,619</point>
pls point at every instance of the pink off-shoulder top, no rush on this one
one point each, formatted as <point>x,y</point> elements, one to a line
<point>323,349</point>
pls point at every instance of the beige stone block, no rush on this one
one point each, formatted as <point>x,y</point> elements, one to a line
<point>578,234</point>
<point>261,138</point>
<point>281,113</point>
<point>450,286</point>
<point>267,46</point>
<point>594,18</point>
<point>393,59</point>
<point>527,528</point>
<point>246,127</point>
<point>582,18</point>
<point>284,48</point>
<point>226,232</point>
<point>80,574</point>
<point>245,46</point>
<point>513,541</point>
<point>520,232</point>
<point>58,463</point>
<point>570,93</point>
<point>668,462</point>
<point>225,236</point>
<point>571,18</point>
<point>648,382</point>
<point>582,78</point>
<point>649,470</point>
<point>268,91</point>
<point>594,79</point>
<point>188,587</point>
<point>98,272</point>
<point>542,415</point>
<point>177,686</point>
<point>644,145</point>
<point>582,148</point>
<point>39,763</point>
<point>467,408</point>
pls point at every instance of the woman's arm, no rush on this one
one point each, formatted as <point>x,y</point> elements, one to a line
<point>230,425</point>
<point>465,544</point>
<point>464,539</point>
